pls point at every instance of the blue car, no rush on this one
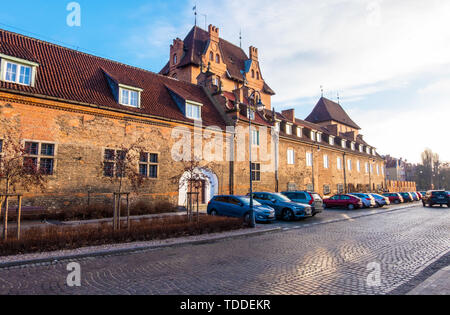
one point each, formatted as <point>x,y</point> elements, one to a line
<point>284,208</point>
<point>239,207</point>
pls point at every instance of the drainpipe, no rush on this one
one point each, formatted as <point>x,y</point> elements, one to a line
<point>345,173</point>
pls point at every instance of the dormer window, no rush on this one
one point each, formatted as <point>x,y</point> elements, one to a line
<point>17,71</point>
<point>319,137</point>
<point>344,144</point>
<point>217,58</point>
<point>250,114</point>
<point>331,140</point>
<point>277,126</point>
<point>361,148</point>
<point>129,96</point>
<point>299,132</point>
<point>313,135</point>
<point>288,129</point>
<point>193,110</point>
<point>353,146</point>
<point>368,150</point>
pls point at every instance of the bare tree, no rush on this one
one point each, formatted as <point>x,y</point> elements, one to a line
<point>121,166</point>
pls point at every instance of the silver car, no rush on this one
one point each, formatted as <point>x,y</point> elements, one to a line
<point>381,201</point>
<point>367,200</point>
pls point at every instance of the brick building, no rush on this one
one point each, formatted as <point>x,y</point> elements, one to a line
<point>74,110</point>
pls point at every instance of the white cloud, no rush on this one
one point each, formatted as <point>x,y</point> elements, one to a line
<point>341,44</point>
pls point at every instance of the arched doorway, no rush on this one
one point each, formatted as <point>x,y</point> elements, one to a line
<point>208,186</point>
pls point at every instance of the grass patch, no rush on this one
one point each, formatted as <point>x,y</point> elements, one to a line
<point>62,237</point>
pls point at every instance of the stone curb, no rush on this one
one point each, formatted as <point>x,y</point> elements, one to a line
<point>122,251</point>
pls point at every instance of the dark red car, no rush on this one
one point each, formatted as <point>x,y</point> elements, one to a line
<point>343,201</point>
<point>394,198</point>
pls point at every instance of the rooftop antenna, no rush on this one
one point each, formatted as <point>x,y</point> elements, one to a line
<point>206,19</point>
<point>195,13</point>
<point>240,38</point>
<point>338,98</point>
<point>321,89</point>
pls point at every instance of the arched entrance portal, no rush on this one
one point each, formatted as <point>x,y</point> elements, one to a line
<point>209,186</point>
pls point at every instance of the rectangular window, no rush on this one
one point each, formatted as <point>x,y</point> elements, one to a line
<point>193,111</point>
<point>340,188</point>
<point>148,165</point>
<point>361,148</point>
<point>39,157</point>
<point>299,132</point>
<point>256,172</point>
<point>339,163</point>
<point>358,166</point>
<point>344,144</point>
<point>319,137</point>
<point>255,137</point>
<point>291,157</point>
<point>378,170</point>
<point>309,159</point>
<point>326,161</point>
<point>367,167</point>
<point>313,136</point>
<point>18,73</point>
<point>289,129</point>
<point>326,190</point>
<point>353,146</point>
<point>349,165</point>
<point>250,114</point>
<point>112,165</point>
<point>277,127</point>
<point>129,97</point>
<point>331,141</point>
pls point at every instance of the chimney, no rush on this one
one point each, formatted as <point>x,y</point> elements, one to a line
<point>213,33</point>
<point>289,114</point>
<point>253,53</point>
<point>176,49</point>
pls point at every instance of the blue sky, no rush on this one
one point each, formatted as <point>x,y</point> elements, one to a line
<point>388,60</point>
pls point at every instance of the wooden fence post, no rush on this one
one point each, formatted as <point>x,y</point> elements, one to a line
<point>5,220</point>
<point>19,214</point>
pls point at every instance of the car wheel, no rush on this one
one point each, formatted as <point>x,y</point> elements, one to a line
<point>288,215</point>
<point>214,213</point>
<point>247,218</point>
<point>424,204</point>
<point>351,207</point>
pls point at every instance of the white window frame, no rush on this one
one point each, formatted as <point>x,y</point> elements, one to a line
<point>309,159</point>
<point>353,145</point>
<point>299,132</point>
<point>326,161</point>
<point>277,126</point>
<point>331,140</point>
<point>256,137</point>
<point>367,150</point>
<point>288,129</point>
<point>122,88</point>
<point>358,166</point>
<point>344,144</point>
<point>361,148</point>
<point>349,165</point>
<point>192,104</point>
<point>339,163</point>
<point>19,63</point>
<point>319,137</point>
<point>367,167</point>
<point>313,135</point>
<point>290,156</point>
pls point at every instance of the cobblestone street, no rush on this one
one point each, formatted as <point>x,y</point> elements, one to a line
<point>327,258</point>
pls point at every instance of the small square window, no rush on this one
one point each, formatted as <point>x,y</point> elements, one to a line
<point>47,149</point>
<point>32,148</point>
<point>110,155</point>
<point>46,166</point>
<point>256,172</point>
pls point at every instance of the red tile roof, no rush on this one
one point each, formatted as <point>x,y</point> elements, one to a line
<point>327,110</point>
<point>75,76</point>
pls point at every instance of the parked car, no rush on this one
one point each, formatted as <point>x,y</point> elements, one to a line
<point>347,201</point>
<point>284,207</point>
<point>419,194</point>
<point>239,207</point>
<point>380,200</point>
<point>415,196</point>
<point>407,197</point>
<point>436,197</point>
<point>312,199</point>
<point>395,198</point>
<point>367,199</point>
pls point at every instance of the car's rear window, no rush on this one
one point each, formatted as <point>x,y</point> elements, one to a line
<point>439,194</point>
